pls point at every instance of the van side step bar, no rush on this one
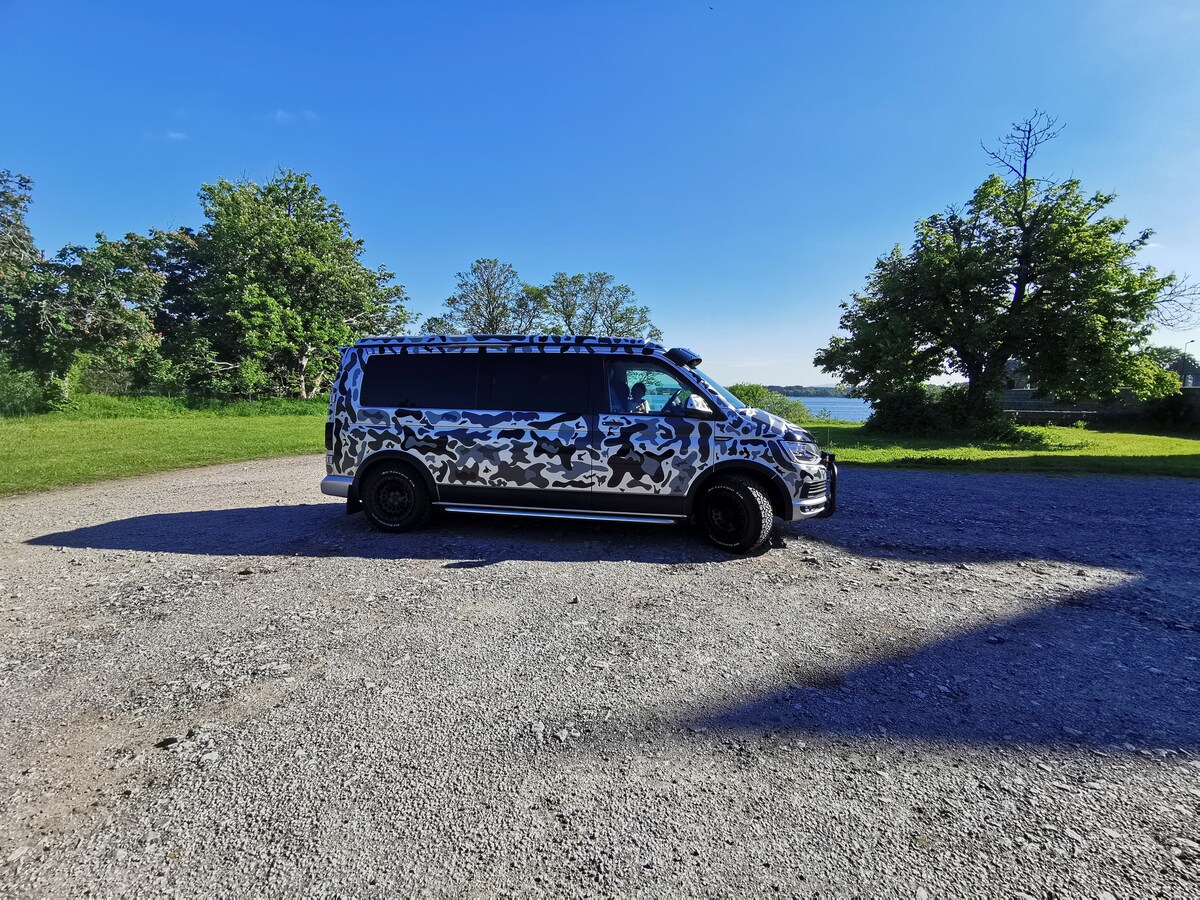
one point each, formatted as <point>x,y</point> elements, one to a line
<point>558,514</point>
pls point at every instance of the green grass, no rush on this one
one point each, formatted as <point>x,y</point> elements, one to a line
<point>1042,449</point>
<point>101,406</point>
<point>112,437</point>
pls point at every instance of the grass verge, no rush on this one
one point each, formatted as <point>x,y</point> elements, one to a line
<point>113,437</point>
<point>1043,449</point>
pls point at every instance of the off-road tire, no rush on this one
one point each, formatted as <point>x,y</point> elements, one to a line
<point>395,498</point>
<point>735,514</point>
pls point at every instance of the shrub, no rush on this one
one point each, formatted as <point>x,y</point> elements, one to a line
<point>910,413</point>
<point>101,374</point>
<point>759,397</point>
<point>934,410</point>
<point>22,392</point>
<point>149,406</point>
<point>1172,413</point>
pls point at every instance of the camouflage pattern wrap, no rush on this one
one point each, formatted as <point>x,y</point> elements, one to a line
<point>628,454</point>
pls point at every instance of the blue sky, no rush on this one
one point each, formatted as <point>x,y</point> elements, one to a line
<point>740,165</point>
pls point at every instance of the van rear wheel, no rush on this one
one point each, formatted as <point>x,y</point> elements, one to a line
<point>735,514</point>
<point>395,498</point>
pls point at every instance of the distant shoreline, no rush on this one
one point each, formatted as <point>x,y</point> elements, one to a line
<point>802,390</point>
<point>827,397</point>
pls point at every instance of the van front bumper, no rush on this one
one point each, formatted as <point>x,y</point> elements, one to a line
<point>819,498</point>
<point>336,485</point>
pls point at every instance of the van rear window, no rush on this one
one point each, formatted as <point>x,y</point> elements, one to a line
<point>421,380</point>
<point>538,382</point>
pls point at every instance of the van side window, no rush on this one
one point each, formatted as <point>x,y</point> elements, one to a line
<point>420,380</point>
<point>643,387</point>
<point>538,382</point>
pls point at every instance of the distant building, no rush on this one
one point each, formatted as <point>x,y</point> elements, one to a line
<point>1017,377</point>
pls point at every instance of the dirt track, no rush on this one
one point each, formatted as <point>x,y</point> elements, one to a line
<point>215,682</point>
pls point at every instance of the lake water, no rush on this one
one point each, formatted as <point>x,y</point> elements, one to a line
<point>848,409</point>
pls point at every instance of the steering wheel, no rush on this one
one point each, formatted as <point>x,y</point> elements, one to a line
<point>672,407</point>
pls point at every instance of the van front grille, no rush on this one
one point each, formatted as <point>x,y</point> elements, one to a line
<point>814,489</point>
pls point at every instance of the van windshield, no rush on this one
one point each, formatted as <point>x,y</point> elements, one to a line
<point>716,386</point>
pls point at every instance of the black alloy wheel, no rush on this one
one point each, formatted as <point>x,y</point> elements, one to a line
<point>735,514</point>
<point>395,498</point>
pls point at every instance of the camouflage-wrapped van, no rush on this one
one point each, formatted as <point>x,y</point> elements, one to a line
<point>562,426</point>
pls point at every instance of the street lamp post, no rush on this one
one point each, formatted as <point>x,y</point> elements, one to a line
<point>1191,375</point>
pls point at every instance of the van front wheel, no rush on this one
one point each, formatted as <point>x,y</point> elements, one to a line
<point>735,514</point>
<point>395,498</point>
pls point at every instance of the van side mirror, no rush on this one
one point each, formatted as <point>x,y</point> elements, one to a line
<point>697,407</point>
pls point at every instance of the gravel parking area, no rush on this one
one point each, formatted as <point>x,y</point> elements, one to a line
<point>215,682</point>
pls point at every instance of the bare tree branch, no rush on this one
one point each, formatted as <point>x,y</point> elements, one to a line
<point>1021,144</point>
<point>1178,306</point>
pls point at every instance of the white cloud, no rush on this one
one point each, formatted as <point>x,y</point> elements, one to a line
<point>286,117</point>
<point>176,136</point>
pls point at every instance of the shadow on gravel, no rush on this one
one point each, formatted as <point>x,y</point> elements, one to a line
<point>324,530</point>
<point>1110,666</point>
<point>1115,666</point>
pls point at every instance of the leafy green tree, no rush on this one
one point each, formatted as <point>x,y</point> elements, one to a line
<point>594,303</point>
<point>1029,269</point>
<point>257,301</point>
<point>761,397</point>
<point>18,275</point>
<point>189,362</point>
<point>17,252</point>
<point>279,286</point>
<point>491,299</point>
<point>1174,359</point>
<point>84,300</point>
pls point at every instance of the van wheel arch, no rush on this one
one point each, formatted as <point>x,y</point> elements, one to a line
<point>393,456</point>
<point>771,484</point>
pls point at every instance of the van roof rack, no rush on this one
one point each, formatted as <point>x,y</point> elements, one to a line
<point>446,340</point>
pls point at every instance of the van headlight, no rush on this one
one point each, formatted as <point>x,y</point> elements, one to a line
<point>801,451</point>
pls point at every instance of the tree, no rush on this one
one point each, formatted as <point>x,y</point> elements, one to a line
<point>18,257</point>
<point>1177,360</point>
<point>259,299</point>
<point>84,300</point>
<point>17,252</point>
<point>281,283</point>
<point>595,304</point>
<point>1174,358</point>
<point>1030,269</point>
<point>491,299</point>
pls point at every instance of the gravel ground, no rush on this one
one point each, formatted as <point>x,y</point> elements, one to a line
<point>215,682</point>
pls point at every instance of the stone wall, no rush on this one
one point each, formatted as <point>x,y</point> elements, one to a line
<point>1030,409</point>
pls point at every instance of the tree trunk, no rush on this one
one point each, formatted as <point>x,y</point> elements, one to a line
<point>302,365</point>
<point>982,386</point>
<point>977,399</point>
